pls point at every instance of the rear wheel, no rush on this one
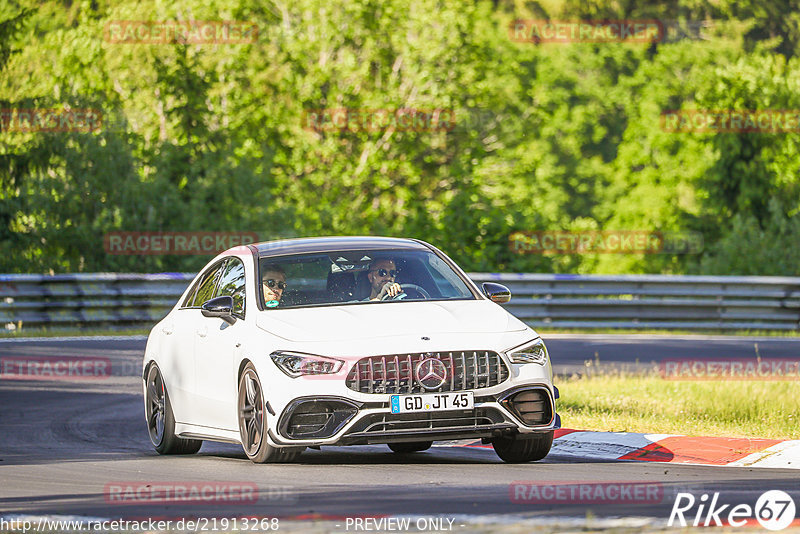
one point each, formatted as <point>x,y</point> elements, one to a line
<point>516,450</point>
<point>252,422</point>
<point>415,446</point>
<point>160,419</point>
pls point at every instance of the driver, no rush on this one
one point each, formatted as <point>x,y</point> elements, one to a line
<point>273,284</point>
<point>381,277</point>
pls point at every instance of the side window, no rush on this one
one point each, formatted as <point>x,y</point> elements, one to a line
<point>232,283</point>
<point>206,286</point>
<point>190,297</point>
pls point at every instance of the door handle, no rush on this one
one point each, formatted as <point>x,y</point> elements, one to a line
<point>202,332</point>
<point>167,329</point>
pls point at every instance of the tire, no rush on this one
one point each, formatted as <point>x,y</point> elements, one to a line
<point>252,422</point>
<point>514,450</point>
<point>160,419</point>
<point>414,446</point>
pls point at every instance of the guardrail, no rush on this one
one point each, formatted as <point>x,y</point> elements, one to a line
<point>541,300</point>
<point>85,300</point>
<point>653,301</point>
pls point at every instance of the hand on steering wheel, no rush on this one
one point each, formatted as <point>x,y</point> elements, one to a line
<point>390,290</point>
<point>402,291</point>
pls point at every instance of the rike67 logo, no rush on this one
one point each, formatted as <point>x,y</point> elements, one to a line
<point>774,510</point>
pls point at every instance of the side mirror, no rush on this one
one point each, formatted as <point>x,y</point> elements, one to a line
<point>221,307</point>
<point>496,292</point>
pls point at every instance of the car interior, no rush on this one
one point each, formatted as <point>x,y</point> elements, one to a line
<point>330,281</point>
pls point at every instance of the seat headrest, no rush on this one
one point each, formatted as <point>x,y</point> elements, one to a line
<point>341,285</point>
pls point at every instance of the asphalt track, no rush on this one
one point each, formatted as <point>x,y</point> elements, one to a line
<point>64,444</point>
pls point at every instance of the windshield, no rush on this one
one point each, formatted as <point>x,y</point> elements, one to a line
<point>358,277</point>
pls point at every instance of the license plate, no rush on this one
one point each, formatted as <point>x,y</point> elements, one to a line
<point>432,402</point>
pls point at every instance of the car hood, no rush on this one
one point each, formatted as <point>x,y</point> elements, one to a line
<point>388,319</point>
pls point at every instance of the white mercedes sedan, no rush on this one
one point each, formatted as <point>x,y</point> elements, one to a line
<point>285,345</point>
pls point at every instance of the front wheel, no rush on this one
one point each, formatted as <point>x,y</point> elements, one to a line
<point>516,450</point>
<point>252,422</point>
<point>415,446</point>
<point>160,419</point>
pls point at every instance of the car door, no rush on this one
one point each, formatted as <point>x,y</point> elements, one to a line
<point>179,345</point>
<point>217,345</point>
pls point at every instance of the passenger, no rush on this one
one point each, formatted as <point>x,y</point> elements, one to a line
<point>274,282</point>
<point>381,276</point>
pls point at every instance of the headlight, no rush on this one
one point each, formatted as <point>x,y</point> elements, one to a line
<point>534,352</point>
<point>296,364</point>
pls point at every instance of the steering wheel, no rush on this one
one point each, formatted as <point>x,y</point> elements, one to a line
<point>401,296</point>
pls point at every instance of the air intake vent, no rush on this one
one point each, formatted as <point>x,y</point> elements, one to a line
<point>532,406</point>
<point>384,423</point>
<point>308,419</point>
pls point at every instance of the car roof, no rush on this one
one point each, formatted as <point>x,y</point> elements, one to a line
<point>333,244</point>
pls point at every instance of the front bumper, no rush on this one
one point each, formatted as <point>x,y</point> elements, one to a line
<point>362,423</point>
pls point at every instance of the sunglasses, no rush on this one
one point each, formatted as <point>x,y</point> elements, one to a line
<point>383,272</point>
<point>275,283</point>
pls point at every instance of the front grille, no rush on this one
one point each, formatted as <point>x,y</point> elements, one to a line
<point>395,374</point>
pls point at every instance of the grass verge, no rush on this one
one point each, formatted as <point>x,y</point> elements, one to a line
<point>654,331</point>
<point>621,402</point>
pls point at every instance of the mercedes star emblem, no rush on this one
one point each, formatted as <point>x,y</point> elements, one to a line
<point>431,374</point>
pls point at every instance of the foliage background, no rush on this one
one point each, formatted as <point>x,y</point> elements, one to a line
<point>547,137</point>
